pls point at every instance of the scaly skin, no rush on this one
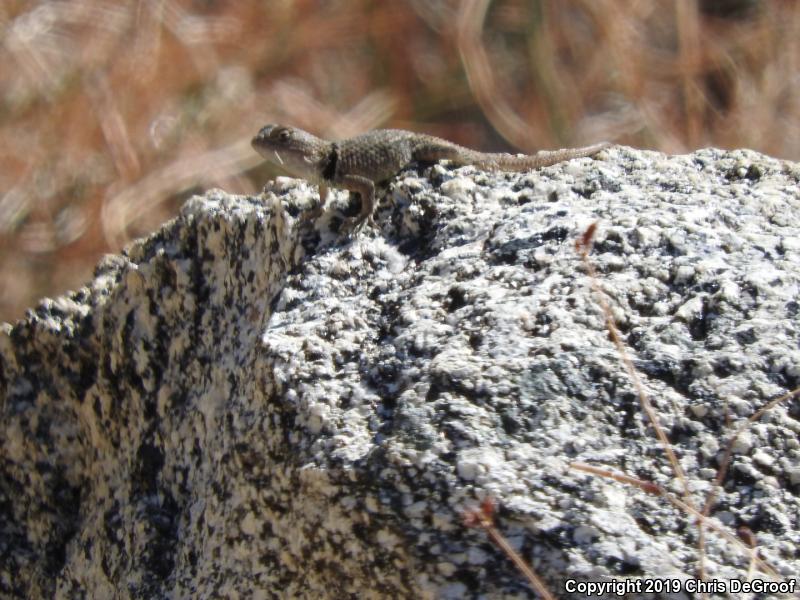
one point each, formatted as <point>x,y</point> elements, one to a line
<point>358,163</point>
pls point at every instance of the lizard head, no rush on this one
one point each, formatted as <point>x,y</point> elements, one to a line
<point>297,151</point>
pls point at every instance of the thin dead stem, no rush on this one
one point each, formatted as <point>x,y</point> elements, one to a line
<point>583,247</point>
<point>723,469</point>
<point>657,490</point>
<point>483,517</point>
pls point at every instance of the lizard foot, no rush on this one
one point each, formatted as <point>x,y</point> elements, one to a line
<point>357,223</point>
<point>312,214</point>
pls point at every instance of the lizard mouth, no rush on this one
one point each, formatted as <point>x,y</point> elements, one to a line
<point>278,158</point>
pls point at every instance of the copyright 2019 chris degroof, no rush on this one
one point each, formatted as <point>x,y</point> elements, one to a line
<point>621,587</point>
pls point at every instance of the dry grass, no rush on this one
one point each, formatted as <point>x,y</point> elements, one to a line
<point>111,114</point>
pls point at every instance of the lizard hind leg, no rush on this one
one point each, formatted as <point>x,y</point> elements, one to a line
<point>436,149</point>
<point>365,188</point>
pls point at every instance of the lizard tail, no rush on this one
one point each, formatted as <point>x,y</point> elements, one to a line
<point>544,158</point>
<point>437,149</point>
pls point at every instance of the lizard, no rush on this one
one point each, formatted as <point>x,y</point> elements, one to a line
<point>358,163</point>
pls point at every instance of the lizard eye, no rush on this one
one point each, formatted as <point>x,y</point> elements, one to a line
<point>281,133</point>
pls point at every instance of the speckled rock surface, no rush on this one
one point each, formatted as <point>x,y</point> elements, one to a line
<point>246,405</point>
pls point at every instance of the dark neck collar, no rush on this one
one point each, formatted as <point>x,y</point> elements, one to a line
<point>330,163</point>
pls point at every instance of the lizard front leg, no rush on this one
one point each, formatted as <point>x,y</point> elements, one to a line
<point>323,195</point>
<point>365,188</point>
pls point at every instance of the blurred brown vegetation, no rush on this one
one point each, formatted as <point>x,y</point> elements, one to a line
<point>113,113</point>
